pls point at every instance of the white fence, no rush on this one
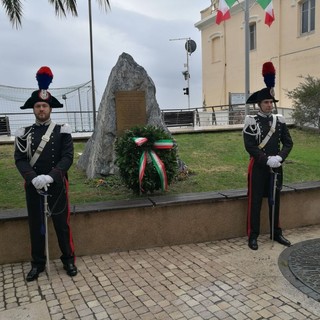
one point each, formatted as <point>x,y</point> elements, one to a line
<point>197,117</point>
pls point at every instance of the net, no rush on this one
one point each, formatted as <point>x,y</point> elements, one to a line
<point>77,110</point>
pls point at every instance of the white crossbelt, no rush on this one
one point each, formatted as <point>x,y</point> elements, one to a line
<point>270,133</point>
<point>45,138</point>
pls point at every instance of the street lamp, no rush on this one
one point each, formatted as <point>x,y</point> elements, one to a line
<point>92,69</point>
<point>190,47</point>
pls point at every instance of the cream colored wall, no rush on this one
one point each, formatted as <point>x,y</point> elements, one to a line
<point>163,221</point>
<point>292,55</point>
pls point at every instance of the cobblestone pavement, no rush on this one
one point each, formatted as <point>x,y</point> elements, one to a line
<point>213,280</point>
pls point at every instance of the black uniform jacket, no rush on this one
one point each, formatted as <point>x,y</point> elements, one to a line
<point>256,128</point>
<point>56,157</point>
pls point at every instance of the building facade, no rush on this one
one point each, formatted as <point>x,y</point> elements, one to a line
<point>291,43</point>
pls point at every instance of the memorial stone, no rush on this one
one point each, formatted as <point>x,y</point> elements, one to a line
<point>98,158</point>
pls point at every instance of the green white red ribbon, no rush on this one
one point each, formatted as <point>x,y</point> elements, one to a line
<point>157,162</point>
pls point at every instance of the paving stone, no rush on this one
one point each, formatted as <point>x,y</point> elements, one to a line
<point>211,280</point>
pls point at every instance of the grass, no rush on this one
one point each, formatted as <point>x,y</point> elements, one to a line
<point>216,161</point>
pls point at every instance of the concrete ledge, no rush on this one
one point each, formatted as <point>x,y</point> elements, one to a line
<point>160,221</point>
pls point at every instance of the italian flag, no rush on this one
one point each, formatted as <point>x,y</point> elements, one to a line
<point>268,8</point>
<point>223,12</point>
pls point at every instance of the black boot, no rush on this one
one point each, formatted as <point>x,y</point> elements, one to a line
<point>71,269</point>
<point>282,240</point>
<point>253,243</point>
<point>34,273</point>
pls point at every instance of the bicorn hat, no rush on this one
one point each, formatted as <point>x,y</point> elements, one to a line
<point>41,96</point>
<point>263,94</point>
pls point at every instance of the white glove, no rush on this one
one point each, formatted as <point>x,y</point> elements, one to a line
<point>36,182</point>
<point>48,179</point>
<point>273,162</point>
<point>42,181</point>
<point>279,158</point>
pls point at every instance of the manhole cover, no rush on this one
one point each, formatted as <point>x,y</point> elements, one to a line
<point>300,264</point>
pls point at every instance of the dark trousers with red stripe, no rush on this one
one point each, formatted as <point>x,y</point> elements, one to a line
<point>59,207</point>
<point>260,185</point>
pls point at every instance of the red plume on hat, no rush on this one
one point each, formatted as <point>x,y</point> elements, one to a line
<point>269,74</point>
<point>44,77</point>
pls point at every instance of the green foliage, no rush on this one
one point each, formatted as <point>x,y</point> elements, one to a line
<point>128,156</point>
<point>306,102</point>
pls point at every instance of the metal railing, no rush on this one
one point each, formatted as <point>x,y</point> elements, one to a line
<point>82,121</point>
<point>213,116</point>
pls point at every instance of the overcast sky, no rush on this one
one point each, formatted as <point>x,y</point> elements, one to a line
<point>141,28</point>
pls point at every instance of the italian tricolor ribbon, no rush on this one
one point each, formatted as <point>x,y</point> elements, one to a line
<point>158,164</point>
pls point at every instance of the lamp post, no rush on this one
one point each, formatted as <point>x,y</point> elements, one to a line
<point>247,58</point>
<point>92,69</point>
<point>190,47</point>
<point>64,97</point>
<point>187,75</point>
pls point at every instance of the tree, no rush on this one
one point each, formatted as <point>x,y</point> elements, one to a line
<point>14,9</point>
<point>306,102</point>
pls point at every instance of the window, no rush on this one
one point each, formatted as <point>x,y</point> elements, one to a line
<point>215,49</point>
<point>252,31</point>
<point>308,16</point>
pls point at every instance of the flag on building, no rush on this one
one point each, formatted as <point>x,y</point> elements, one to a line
<point>223,12</point>
<point>268,8</point>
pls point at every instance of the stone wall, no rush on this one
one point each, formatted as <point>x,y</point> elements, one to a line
<point>160,221</point>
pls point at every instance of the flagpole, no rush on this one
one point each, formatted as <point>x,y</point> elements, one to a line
<point>247,52</point>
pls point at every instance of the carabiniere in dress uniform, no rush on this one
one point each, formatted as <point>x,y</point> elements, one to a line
<point>43,155</point>
<point>268,142</point>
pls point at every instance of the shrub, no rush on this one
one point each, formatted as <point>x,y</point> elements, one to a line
<point>306,102</point>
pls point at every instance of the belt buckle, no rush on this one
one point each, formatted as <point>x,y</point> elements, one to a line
<point>45,138</point>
